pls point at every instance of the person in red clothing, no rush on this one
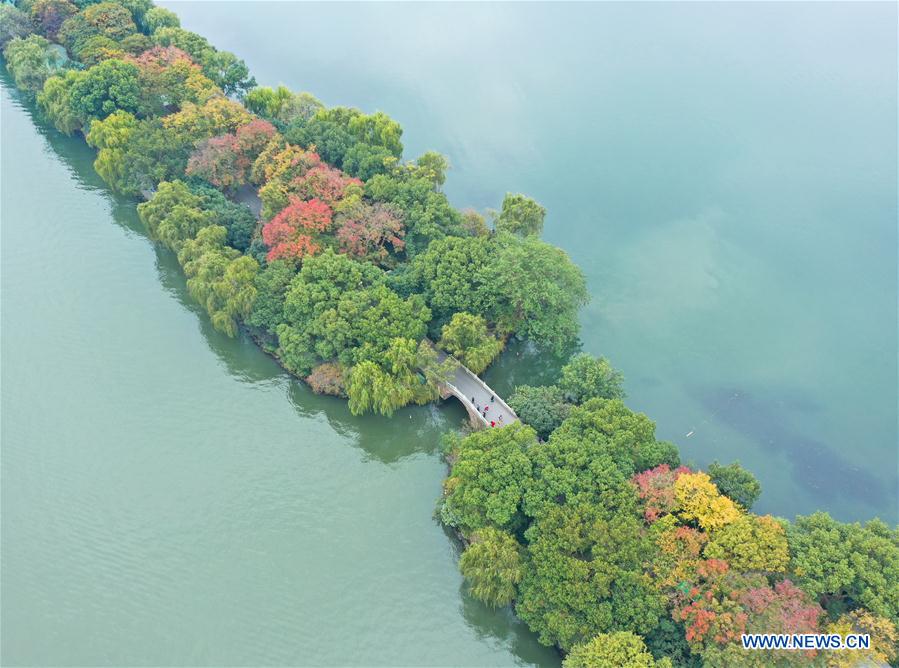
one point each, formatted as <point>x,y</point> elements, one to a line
<point>492,423</point>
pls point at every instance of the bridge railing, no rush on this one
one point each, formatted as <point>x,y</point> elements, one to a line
<point>484,386</point>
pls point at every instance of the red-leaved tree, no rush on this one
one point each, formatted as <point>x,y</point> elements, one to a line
<point>372,232</point>
<point>323,182</point>
<point>291,234</point>
<point>655,487</point>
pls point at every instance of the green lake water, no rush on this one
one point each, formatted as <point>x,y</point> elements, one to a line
<point>724,173</point>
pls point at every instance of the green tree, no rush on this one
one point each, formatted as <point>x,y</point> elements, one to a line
<point>271,287</point>
<point>219,278</point>
<point>586,576</point>
<point>393,383</point>
<point>427,214</point>
<point>587,377</point>
<point>847,565</point>
<point>450,276</point>
<point>622,649</point>
<point>543,407</point>
<point>611,427</point>
<point>538,290</point>
<point>364,161</point>
<point>30,61</point>
<point>174,215</point>
<point>111,85</point>
<point>490,472</point>
<point>56,101</point>
<point>467,338</point>
<point>735,482</point>
<point>433,166</point>
<point>520,215</point>
<point>236,218</point>
<point>570,471</point>
<point>160,17</point>
<point>13,23</point>
<point>493,566</point>
<point>138,10</point>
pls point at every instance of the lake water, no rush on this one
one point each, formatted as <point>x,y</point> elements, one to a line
<point>724,173</point>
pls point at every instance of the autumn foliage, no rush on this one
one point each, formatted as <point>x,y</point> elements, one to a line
<point>291,234</point>
<point>655,488</point>
<point>225,161</point>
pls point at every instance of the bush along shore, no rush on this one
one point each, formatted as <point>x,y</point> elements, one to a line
<point>605,544</point>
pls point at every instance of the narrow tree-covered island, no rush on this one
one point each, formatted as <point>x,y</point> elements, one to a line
<point>305,227</point>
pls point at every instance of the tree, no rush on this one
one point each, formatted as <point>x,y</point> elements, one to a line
<point>393,382</point>
<point>613,428</point>
<point>219,161</point>
<point>569,470</point>
<point>267,101</point>
<point>30,61</point>
<point>371,232</point>
<point>136,44</point>
<point>490,472</point>
<point>271,287</point>
<point>340,309</point>
<point>160,17</point>
<point>170,79</point>
<point>520,215</point>
<point>751,543</point>
<point>884,639</point>
<point>56,101</point>
<point>291,234</point>
<point>655,487</point>
<point>330,140</point>
<point>466,338</point>
<point>220,278</point>
<point>13,23</point>
<point>299,106</point>
<point>427,214</point>
<point>328,378</point>
<point>376,129</point>
<point>111,85</point>
<point>622,649</point>
<point>544,408</point>
<point>586,576</point>
<point>228,71</point>
<point>136,155</point>
<point>450,276</point>
<point>538,290</point>
<point>433,167</point>
<point>49,15</point>
<point>217,116</point>
<point>110,19</point>
<point>493,566</point>
<point>174,215</point>
<point>736,482</point>
<point>473,224</point>
<point>236,218</point>
<point>364,161</point>
<point>99,48</point>
<point>324,183</point>
<point>138,10</point>
<point>698,500</point>
<point>847,565</point>
<point>586,377</point>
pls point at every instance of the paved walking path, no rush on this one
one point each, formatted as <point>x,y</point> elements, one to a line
<point>466,385</point>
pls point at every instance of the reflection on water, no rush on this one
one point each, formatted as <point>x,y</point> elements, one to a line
<point>174,485</point>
